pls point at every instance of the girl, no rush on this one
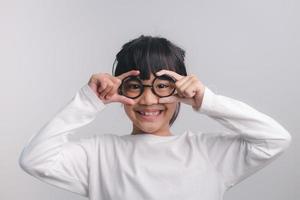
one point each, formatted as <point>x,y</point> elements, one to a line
<point>151,163</point>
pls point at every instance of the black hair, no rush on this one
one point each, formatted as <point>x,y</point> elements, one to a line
<point>150,54</point>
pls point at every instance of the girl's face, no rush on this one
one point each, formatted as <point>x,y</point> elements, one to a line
<point>148,115</point>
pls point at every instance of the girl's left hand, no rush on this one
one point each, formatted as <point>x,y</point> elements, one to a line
<point>190,90</point>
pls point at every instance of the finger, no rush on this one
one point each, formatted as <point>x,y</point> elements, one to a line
<point>129,73</point>
<point>179,93</point>
<point>125,100</point>
<point>170,73</point>
<point>107,89</point>
<point>178,86</point>
<point>112,91</point>
<point>116,83</point>
<point>179,83</point>
<point>102,86</point>
<point>187,88</point>
<point>182,81</point>
<point>190,92</point>
<point>170,99</point>
<point>175,98</point>
<point>103,94</point>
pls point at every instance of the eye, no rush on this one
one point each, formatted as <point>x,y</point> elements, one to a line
<point>133,86</point>
<point>162,85</point>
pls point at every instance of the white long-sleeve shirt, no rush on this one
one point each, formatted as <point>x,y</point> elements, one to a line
<point>190,166</point>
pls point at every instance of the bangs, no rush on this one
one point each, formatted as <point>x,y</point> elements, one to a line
<point>149,55</point>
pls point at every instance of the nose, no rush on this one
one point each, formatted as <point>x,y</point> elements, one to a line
<point>148,97</point>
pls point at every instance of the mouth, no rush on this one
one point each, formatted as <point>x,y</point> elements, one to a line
<point>149,115</point>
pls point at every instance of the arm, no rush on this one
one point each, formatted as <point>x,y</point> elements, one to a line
<point>51,157</point>
<point>256,141</point>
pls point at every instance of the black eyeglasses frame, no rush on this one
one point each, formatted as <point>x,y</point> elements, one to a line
<point>143,85</point>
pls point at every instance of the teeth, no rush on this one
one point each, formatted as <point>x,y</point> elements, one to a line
<point>150,113</point>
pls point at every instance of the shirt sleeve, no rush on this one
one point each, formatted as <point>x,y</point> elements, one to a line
<point>255,139</point>
<point>51,157</point>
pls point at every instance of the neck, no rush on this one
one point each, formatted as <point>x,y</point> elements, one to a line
<point>162,132</point>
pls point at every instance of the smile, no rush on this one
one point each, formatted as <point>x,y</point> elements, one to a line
<point>153,115</point>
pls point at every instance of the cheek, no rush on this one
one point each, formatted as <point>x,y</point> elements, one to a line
<point>171,109</point>
<point>129,111</point>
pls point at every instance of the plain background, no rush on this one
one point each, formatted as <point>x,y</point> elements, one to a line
<point>247,50</point>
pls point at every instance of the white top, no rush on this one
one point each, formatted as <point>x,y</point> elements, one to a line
<point>189,166</point>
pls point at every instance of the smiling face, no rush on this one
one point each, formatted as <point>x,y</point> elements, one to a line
<point>148,115</point>
<point>148,55</point>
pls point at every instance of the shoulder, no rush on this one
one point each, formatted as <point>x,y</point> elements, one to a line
<point>203,138</point>
<point>214,141</point>
<point>212,135</point>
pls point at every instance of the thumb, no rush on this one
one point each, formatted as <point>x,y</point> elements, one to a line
<point>125,100</point>
<point>170,99</point>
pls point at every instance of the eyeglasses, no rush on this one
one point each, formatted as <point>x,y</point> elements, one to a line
<point>162,86</point>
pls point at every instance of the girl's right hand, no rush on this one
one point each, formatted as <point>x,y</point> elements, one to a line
<point>106,87</point>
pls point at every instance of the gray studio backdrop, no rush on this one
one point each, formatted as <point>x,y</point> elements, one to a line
<point>248,50</point>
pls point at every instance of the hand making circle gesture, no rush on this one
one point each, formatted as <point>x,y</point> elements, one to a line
<point>106,87</point>
<point>190,90</point>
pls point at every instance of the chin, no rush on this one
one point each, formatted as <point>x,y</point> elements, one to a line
<point>149,129</point>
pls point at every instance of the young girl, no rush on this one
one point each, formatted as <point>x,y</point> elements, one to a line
<point>151,163</point>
